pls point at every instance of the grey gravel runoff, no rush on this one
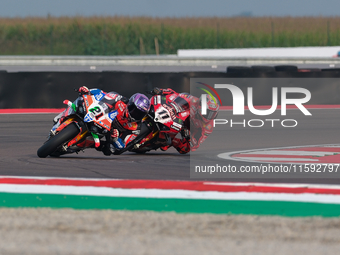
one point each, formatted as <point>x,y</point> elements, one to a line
<point>68,231</point>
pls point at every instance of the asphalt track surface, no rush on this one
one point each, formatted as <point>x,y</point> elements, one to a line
<point>22,134</point>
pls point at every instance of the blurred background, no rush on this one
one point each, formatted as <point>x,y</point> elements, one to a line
<point>150,27</point>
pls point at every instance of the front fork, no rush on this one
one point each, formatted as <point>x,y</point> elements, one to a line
<point>57,119</point>
<point>58,126</point>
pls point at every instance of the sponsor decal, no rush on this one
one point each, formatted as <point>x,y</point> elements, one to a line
<point>129,138</point>
<point>87,103</point>
<point>184,114</point>
<point>177,125</point>
<point>174,127</point>
<point>185,95</point>
<point>158,99</point>
<point>171,110</point>
<point>104,106</point>
<point>97,125</point>
<point>104,125</point>
<point>89,117</point>
<point>119,143</point>
<point>110,96</point>
<point>172,97</point>
<point>120,107</point>
<point>131,125</point>
<point>113,115</point>
<point>99,96</point>
<point>175,106</point>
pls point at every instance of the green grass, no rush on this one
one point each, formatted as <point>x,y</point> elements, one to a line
<point>280,208</point>
<point>105,36</point>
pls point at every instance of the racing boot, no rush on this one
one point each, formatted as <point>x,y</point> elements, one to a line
<point>164,148</point>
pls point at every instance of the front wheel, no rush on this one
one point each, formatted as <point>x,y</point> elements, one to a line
<point>59,139</point>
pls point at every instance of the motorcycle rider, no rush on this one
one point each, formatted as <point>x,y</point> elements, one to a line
<point>130,112</point>
<point>197,127</point>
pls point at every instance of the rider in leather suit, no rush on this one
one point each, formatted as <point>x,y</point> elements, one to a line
<point>130,113</point>
<point>197,127</point>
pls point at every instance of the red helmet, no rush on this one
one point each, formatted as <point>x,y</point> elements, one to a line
<point>212,109</point>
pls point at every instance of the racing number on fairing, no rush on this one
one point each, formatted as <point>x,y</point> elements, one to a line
<point>164,116</point>
<point>97,112</point>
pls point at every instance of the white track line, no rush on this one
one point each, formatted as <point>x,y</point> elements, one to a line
<point>288,185</point>
<point>229,155</point>
<point>161,194</point>
<point>293,153</point>
<point>278,159</point>
<point>281,185</point>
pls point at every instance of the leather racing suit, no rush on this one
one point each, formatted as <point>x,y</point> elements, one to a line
<point>195,130</point>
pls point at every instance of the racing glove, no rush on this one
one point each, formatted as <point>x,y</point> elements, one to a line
<point>115,134</point>
<point>185,133</point>
<point>193,142</point>
<point>156,91</point>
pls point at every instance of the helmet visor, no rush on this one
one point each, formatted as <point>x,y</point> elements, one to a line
<point>135,114</point>
<point>210,114</point>
<point>182,103</point>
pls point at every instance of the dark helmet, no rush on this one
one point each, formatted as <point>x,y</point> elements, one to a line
<point>137,107</point>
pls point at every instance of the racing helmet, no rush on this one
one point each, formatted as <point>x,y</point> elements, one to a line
<point>212,109</point>
<point>181,102</point>
<point>137,107</point>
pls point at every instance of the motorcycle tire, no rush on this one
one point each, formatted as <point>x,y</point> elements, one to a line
<point>59,139</point>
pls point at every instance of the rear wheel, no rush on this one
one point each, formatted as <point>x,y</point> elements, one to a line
<point>59,139</point>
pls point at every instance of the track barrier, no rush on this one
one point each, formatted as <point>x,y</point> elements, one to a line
<point>49,89</point>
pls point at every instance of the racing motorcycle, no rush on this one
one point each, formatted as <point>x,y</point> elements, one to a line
<point>81,125</point>
<point>168,117</point>
<point>85,123</point>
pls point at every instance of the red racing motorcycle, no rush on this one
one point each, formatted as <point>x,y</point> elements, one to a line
<point>168,117</point>
<point>87,121</point>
